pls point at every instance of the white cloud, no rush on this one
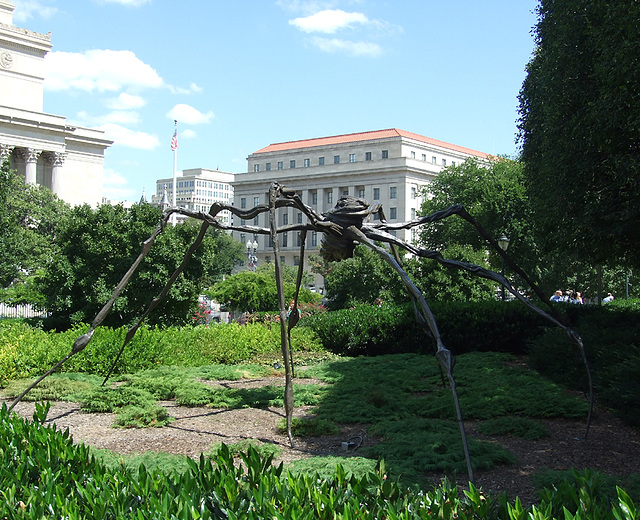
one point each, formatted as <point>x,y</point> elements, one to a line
<point>354,48</point>
<point>192,89</point>
<point>125,102</point>
<point>189,115</point>
<point>115,186</point>
<point>98,70</point>
<point>188,134</point>
<point>128,3</point>
<point>329,21</point>
<point>130,138</point>
<point>27,9</point>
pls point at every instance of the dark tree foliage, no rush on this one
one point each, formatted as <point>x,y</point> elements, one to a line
<point>28,217</point>
<point>580,128</point>
<point>97,247</point>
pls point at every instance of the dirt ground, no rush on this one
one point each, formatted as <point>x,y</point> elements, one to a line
<point>610,446</point>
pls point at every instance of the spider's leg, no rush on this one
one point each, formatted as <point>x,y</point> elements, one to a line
<point>444,356</point>
<point>274,191</point>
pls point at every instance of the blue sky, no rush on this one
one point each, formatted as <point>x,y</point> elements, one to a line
<point>239,75</point>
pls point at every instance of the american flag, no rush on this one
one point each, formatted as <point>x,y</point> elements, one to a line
<point>174,140</point>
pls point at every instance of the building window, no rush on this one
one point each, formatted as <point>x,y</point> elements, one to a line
<point>385,154</point>
<point>320,161</point>
<point>413,192</point>
<point>444,162</point>
<point>393,213</point>
<point>345,192</point>
<point>424,157</point>
<point>376,216</point>
<point>282,260</point>
<point>314,239</point>
<point>361,193</point>
<point>352,157</point>
<point>336,159</point>
<point>268,166</point>
<point>298,240</point>
<point>285,239</point>
<point>367,156</point>
<point>314,197</point>
<point>292,164</point>
<point>376,193</point>
<point>256,167</point>
<point>280,165</point>
<point>296,260</point>
<point>433,159</point>
<point>453,163</point>
<point>413,213</point>
<point>393,192</point>
<point>243,202</point>
<point>255,220</point>
<point>285,219</point>
<point>413,155</point>
<point>299,217</point>
<point>307,163</point>
<point>330,197</point>
<point>256,201</point>
<point>243,238</point>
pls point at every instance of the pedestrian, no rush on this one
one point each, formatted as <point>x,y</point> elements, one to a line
<point>608,299</point>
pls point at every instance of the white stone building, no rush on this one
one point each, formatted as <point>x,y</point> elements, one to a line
<point>196,190</point>
<point>44,148</point>
<point>384,166</point>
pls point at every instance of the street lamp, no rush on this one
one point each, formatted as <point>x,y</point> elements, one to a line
<point>503,243</point>
<point>252,249</point>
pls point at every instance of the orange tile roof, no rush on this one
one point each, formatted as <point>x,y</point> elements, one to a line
<point>365,136</point>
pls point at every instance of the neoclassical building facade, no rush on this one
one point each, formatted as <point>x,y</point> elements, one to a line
<point>42,147</point>
<point>384,166</point>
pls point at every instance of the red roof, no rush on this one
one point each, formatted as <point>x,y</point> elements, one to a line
<point>365,136</point>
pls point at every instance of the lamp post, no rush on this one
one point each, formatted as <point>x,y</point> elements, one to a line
<point>252,249</point>
<point>503,243</point>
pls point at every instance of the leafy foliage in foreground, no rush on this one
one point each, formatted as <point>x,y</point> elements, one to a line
<point>43,474</point>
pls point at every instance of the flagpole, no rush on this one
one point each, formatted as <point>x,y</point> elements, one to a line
<point>174,146</point>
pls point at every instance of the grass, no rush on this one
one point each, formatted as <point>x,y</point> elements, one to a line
<point>399,399</point>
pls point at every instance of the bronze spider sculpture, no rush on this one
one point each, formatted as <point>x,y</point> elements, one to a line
<point>343,228</point>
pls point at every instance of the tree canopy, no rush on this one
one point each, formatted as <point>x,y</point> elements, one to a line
<point>579,128</point>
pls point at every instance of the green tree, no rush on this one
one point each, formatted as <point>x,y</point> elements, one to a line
<point>579,128</point>
<point>256,291</point>
<point>493,193</point>
<point>97,246</point>
<point>29,215</point>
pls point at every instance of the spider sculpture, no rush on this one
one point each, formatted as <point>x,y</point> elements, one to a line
<point>343,228</point>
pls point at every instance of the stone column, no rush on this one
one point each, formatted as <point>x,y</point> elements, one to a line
<point>31,159</point>
<point>57,160</point>
<point>5,152</point>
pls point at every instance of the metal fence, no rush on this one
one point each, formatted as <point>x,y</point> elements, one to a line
<point>20,311</point>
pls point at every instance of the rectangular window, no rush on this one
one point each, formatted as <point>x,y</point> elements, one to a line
<point>299,217</point>
<point>367,156</point>
<point>285,219</point>
<point>282,260</point>
<point>307,163</point>
<point>280,165</point>
<point>314,197</point>
<point>296,260</point>
<point>329,197</point>
<point>336,159</point>
<point>385,154</point>
<point>314,239</point>
<point>292,164</point>
<point>320,161</point>
<point>361,193</point>
<point>393,192</point>
<point>256,201</point>
<point>256,167</point>
<point>413,213</point>
<point>444,162</point>
<point>298,240</point>
<point>268,167</point>
<point>433,159</point>
<point>393,213</point>
<point>352,157</point>
<point>413,155</point>
<point>413,192</point>
<point>285,239</point>
<point>376,193</point>
<point>256,221</point>
<point>345,192</point>
<point>243,202</point>
<point>453,163</point>
<point>243,238</point>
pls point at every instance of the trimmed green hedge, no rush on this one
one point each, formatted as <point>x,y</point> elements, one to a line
<point>27,351</point>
